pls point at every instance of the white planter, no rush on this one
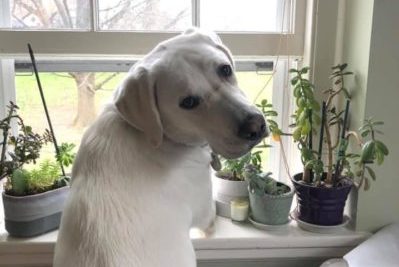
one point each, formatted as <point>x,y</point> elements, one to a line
<point>225,191</point>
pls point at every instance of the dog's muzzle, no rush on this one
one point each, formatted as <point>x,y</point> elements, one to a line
<point>253,128</point>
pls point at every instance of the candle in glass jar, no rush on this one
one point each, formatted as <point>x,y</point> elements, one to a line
<point>239,209</point>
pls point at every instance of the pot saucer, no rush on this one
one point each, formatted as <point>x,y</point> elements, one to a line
<point>321,229</point>
<point>267,227</point>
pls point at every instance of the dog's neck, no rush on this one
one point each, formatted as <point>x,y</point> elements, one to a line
<point>200,144</point>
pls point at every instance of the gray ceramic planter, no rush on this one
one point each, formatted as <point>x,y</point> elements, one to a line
<point>270,209</point>
<point>35,214</point>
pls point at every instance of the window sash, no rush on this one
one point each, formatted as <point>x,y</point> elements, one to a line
<point>116,65</point>
<point>94,42</point>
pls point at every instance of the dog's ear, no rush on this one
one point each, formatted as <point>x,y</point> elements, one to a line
<point>136,103</point>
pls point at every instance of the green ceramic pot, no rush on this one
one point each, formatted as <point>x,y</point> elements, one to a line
<point>270,209</point>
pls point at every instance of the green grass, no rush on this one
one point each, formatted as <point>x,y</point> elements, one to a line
<point>61,97</point>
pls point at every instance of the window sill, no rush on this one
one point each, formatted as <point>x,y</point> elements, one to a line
<point>229,241</point>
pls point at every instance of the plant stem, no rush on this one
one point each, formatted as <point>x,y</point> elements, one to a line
<point>5,135</point>
<point>330,154</point>
<point>341,152</point>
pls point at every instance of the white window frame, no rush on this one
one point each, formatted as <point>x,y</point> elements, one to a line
<point>103,43</point>
<point>94,45</point>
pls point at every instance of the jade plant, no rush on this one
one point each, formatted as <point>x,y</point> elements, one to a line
<point>330,124</point>
<point>23,150</point>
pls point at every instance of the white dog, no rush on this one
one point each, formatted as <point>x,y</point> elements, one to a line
<point>141,178</point>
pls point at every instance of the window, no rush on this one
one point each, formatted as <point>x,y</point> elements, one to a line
<point>68,14</point>
<point>77,91</point>
<point>252,28</point>
<point>260,33</point>
<point>144,15</point>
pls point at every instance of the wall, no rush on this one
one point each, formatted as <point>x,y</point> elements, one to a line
<point>370,45</point>
<point>380,205</point>
<point>356,51</point>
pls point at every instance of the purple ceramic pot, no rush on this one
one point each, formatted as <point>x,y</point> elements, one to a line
<point>321,205</point>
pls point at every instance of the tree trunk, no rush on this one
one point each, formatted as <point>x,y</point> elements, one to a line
<point>86,110</point>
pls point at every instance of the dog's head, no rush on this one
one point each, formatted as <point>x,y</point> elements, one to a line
<point>186,90</point>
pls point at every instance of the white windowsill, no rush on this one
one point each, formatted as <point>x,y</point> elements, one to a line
<point>230,241</point>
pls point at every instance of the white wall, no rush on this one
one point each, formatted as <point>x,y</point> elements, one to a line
<point>371,47</point>
<point>380,205</point>
<point>356,52</point>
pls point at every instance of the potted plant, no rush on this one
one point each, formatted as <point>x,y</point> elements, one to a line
<point>270,201</point>
<point>229,183</point>
<point>33,198</point>
<point>327,178</point>
<point>229,180</point>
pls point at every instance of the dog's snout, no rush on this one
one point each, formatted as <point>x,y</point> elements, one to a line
<point>253,128</point>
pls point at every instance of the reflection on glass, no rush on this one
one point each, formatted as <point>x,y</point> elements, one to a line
<point>45,14</point>
<point>238,15</point>
<point>144,15</point>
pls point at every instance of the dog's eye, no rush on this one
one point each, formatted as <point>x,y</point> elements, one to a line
<point>190,102</point>
<point>225,71</point>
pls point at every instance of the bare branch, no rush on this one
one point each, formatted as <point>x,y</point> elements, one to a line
<point>179,16</point>
<point>63,75</point>
<point>61,10</point>
<point>119,15</point>
<point>113,7</point>
<point>106,80</point>
<point>67,12</point>
<point>73,74</point>
<point>20,21</point>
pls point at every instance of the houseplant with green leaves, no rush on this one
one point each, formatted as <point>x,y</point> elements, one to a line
<point>229,182</point>
<point>332,169</point>
<point>235,176</point>
<point>33,196</point>
<point>270,200</point>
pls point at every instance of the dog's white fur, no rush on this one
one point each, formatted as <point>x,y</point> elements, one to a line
<point>141,178</point>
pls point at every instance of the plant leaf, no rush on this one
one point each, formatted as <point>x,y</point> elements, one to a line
<point>371,172</point>
<point>381,147</point>
<point>366,184</point>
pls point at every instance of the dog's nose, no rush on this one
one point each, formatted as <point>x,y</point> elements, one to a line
<point>253,128</point>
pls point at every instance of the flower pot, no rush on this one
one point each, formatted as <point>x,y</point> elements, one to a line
<point>321,205</point>
<point>32,215</point>
<point>270,209</point>
<point>225,191</point>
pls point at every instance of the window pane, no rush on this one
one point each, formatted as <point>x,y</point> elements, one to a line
<point>238,15</point>
<point>252,83</point>
<point>73,102</point>
<point>75,99</point>
<point>144,15</point>
<point>57,14</point>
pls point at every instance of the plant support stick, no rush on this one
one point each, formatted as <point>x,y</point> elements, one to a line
<point>323,121</point>
<point>310,136</point>
<point>32,57</point>
<point>341,152</point>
